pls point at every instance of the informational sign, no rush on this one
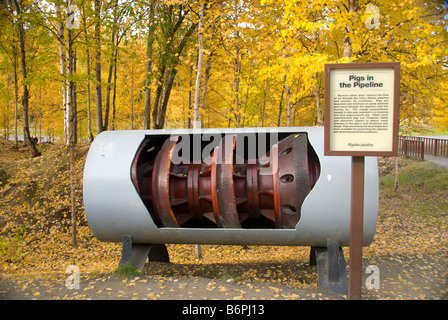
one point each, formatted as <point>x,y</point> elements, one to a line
<point>362,109</point>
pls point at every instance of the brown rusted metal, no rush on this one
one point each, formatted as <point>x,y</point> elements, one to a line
<point>161,180</point>
<point>227,216</point>
<point>228,191</point>
<point>293,182</point>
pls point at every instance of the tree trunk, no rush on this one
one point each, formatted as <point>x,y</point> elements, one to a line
<point>89,113</point>
<point>62,69</point>
<point>280,106</point>
<point>197,88</point>
<point>132,98</point>
<point>169,85</point>
<point>73,189</point>
<point>288,106</point>
<point>149,54</point>
<point>98,96</point>
<point>397,174</point>
<point>16,95</point>
<point>246,102</point>
<point>72,132</point>
<point>316,79</point>
<point>190,99</point>
<point>166,79</point>
<point>316,95</point>
<point>108,88</point>
<point>347,47</point>
<point>198,251</point>
<point>6,114</point>
<point>208,66</point>
<point>114,93</point>
<point>111,67</point>
<point>263,110</point>
<point>25,99</point>
<point>155,109</point>
<point>347,41</point>
<point>40,113</point>
<point>75,99</point>
<point>236,70</point>
<point>288,102</point>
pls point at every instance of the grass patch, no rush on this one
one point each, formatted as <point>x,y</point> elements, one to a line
<point>416,177</point>
<point>422,192</point>
<point>228,275</point>
<point>128,271</point>
<point>3,177</point>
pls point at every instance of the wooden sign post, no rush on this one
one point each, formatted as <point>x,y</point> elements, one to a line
<point>362,108</point>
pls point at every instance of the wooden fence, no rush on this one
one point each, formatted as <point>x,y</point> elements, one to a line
<point>417,147</point>
<point>411,148</point>
<point>433,146</point>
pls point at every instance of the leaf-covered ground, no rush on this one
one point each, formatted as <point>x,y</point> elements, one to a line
<point>409,248</point>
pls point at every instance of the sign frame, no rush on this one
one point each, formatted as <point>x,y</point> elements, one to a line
<point>365,66</point>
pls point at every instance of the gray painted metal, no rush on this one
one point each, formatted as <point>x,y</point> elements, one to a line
<point>114,208</point>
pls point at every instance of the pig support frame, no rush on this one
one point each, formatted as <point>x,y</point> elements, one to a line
<point>330,261</point>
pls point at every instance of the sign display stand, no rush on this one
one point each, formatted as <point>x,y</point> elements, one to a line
<point>362,108</point>
<point>356,228</point>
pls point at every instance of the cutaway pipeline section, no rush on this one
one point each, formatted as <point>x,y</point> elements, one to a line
<point>226,189</point>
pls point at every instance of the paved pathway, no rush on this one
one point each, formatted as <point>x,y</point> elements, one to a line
<point>442,161</point>
<point>435,137</point>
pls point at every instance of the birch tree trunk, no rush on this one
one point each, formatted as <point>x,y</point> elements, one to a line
<point>62,69</point>
<point>149,54</point>
<point>197,88</point>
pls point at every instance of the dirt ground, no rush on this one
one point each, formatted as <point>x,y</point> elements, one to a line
<point>417,277</point>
